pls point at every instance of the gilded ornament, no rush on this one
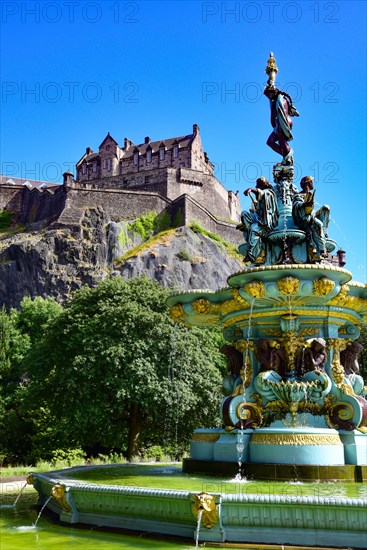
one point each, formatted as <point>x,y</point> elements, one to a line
<point>294,439</point>
<point>205,503</point>
<point>337,369</point>
<point>256,289</point>
<point>205,437</point>
<point>30,479</point>
<point>275,332</point>
<point>271,68</point>
<point>323,286</point>
<point>229,306</point>
<point>247,411</point>
<point>246,373</point>
<point>201,306</point>
<point>177,312</point>
<point>237,296</point>
<point>59,493</point>
<point>243,345</point>
<point>288,286</point>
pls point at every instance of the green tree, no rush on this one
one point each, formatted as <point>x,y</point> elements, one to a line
<point>35,314</point>
<point>113,370</point>
<point>19,330</point>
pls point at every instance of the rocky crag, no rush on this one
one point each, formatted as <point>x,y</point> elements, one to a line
<point>58,260</point>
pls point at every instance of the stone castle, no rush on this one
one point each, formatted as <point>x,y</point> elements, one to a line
<point>173,175</point>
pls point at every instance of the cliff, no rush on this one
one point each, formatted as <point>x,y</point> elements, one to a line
<point>57,260</point>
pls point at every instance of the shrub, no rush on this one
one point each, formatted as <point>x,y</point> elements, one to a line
<point>178,221</point>
<point>184,256</point>
<point>144,225</point>
<point>5,219</point>
<point>162,222</point>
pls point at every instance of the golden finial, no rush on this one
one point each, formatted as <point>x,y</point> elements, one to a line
<point>271,69</point>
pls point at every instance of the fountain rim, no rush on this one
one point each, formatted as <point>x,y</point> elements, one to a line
<point>264,269</point>
<point>71,484</point>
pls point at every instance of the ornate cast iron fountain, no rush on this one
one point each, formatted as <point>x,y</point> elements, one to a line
<point>294,404</point>
<point>293,314</point>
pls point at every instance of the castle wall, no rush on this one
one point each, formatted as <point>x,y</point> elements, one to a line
<point>172,183</point>
<point>31,206</point>
<point>11,199</point>
<point>118,204</point>
<point>192,211</point>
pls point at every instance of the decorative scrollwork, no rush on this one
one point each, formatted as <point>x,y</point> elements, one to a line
<point>340,415</point>
<point>249,414</point>
<point>229,306</point>
<point>237,296</point>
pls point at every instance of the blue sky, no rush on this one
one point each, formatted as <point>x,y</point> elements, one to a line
<point>72,71</point>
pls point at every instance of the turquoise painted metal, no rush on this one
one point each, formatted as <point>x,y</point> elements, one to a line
<point>283,519</point>
<point>291,318</point>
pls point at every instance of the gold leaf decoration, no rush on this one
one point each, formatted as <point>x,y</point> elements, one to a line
<point>58,491</point>
<point>294,439</point>
<point>201,306</point>
<point>229,306</point>
<point>288,286</point>
<point>256,289</point>
<point>323,286</point>
<point>205,503</point>
<point>337,369</point>
<point>177,312</point>
<point>237,296</point>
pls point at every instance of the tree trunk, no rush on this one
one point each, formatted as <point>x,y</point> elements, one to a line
<point>134,431</point>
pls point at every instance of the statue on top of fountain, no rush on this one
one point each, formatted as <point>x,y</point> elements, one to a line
<point>281,112</point>
<point>282,226</point>
<point>314,223</point>
<point>257,223</point>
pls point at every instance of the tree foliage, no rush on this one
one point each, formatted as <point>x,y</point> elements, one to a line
<point>19,331</point>
<point>111,372</point>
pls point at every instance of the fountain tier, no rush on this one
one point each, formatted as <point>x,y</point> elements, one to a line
<point>287,392</point>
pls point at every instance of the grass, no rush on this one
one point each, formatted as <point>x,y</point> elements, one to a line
<point>230,248</point>
<point>163,237</point>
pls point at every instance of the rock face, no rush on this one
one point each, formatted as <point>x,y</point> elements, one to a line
<point>56,261</point>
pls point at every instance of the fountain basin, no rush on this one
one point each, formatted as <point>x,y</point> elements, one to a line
<point>266,518</point>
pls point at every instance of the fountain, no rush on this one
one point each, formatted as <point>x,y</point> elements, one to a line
<point>294,405</point>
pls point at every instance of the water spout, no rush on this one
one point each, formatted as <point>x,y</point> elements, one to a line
<point>20,493</point>
<point>40,513</point>
<point>200,513</point>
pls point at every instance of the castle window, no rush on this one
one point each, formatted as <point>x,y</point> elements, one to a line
<point>149,155</point>
<point>175,151</point>
<point>161,153</point>
<point>95,166</point>
<point>109,164</point>
<point>146,179</point>
<point>136,158</point>
<point>108,147</point>
<point>84,168</point>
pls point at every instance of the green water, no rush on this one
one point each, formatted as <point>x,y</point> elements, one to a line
<point>17,533</point>
<point>171,477</point>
